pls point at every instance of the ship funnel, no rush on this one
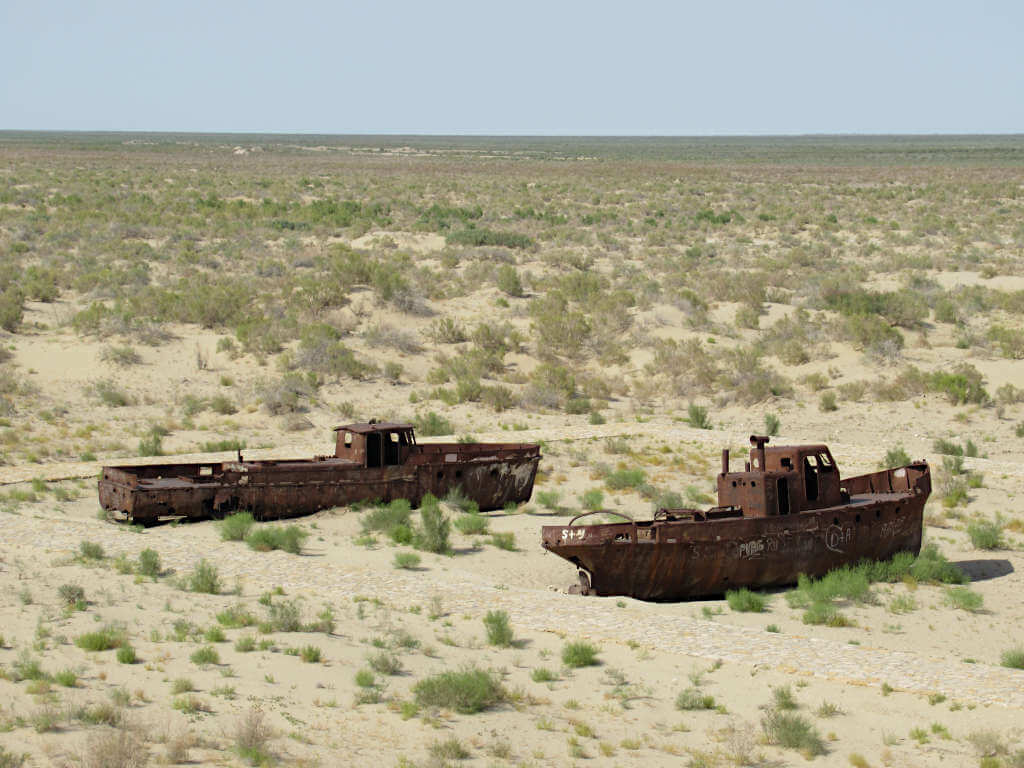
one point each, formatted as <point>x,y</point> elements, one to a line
<point>725,461</point>
<point>758,441</point>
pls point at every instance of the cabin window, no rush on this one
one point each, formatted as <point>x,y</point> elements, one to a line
<point>824,463</point>
<point>373,449</point>
<point>810,480</point>
<point>787,462</point>
<point>348,439</point>
<point>391,452</point>
<point>622,537</point>
<point>206,470</point>
<point>782,486</point>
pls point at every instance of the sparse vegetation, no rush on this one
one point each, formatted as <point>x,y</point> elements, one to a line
<point>204,578</point>
<point>499,631</point>
<point>265,538</point>
<point>466,691</point>
<point>745,601</point>
<point>579,654</point>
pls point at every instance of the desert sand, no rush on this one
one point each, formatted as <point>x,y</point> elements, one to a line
<point>910,680</point>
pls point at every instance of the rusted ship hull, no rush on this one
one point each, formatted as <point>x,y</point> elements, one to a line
<point>665,560</point>
<point>492,477</point>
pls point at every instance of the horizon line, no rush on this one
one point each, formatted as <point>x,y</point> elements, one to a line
<point>523,135</point>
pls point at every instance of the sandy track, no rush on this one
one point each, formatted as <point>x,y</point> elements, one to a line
<point>41,537</point>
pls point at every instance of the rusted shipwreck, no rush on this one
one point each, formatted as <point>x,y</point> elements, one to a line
<point>789,512</point>
<point>371,462</point>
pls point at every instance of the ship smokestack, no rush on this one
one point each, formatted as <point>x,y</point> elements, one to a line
<point>758,441</point>
<point>725,461</point>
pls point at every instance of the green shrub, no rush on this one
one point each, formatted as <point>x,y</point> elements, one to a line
<point>245,644</point>
<point>387,517</point>
<point>771,424</point>
<point>406,560</point>
<point>1013,658</point>
<point>435,527</point>
<point>579,654</point>
<point>792,732</point>
<point>432,425</point>
<point>745,601</point>
<point>504,540</point>
<point>895,458</point>
<point>697,416</point>
<point>592,499</point>
<point>204,578</point>
<point>310,654</point>
<point>471,524</point>
<point>222,404</point>
<point>384,663</point>
<point>235,617</point>
<point>126,654</point>
<point>101,640</point>
<point>149,563</point>
<point>621,479</point>
<point>27,667</point>
<point>12,309</point>
<point>90,550</point>
<point>986,534</point>
<point>692,699</point>
<point>964,385</point>
<point>548,499</point>
<point>947,448</point>
<point>508,280</point>
<point>284,616</point>
<point>499,632</point>
<point>236,527</point>
<point>266,538</point>
<point>825,613</point>
<point>152,444</point>
<point>205,655</point>
<point>481,236</point>
<point>466,691</point>
<point>827,402</point>
<point>72,596</point>
<point>543,675</point>
<point>402,534</point>
<point>214,634</point>
<point>964,599</point>
<point>365,679</point>
<point>449,749</point>
<point>783,698</point>
<point>221,446</point>
<point>108,393</point>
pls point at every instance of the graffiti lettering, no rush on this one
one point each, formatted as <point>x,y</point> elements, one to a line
<point>836,537</point>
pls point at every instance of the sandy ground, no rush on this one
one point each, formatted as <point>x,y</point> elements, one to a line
<point>950,702</point>
<point>942,664</point>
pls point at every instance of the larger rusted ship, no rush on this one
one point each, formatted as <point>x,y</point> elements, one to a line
<point>789,512</point>
<point>371,462</point>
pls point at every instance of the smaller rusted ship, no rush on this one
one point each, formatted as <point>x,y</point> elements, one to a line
<point>789,512</point>
<point>371,462</point>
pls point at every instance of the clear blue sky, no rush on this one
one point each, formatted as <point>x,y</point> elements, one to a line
<point>631,67</point>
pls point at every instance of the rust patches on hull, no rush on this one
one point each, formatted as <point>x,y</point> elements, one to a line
<point>683,554</point>
<point>373,462</point>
